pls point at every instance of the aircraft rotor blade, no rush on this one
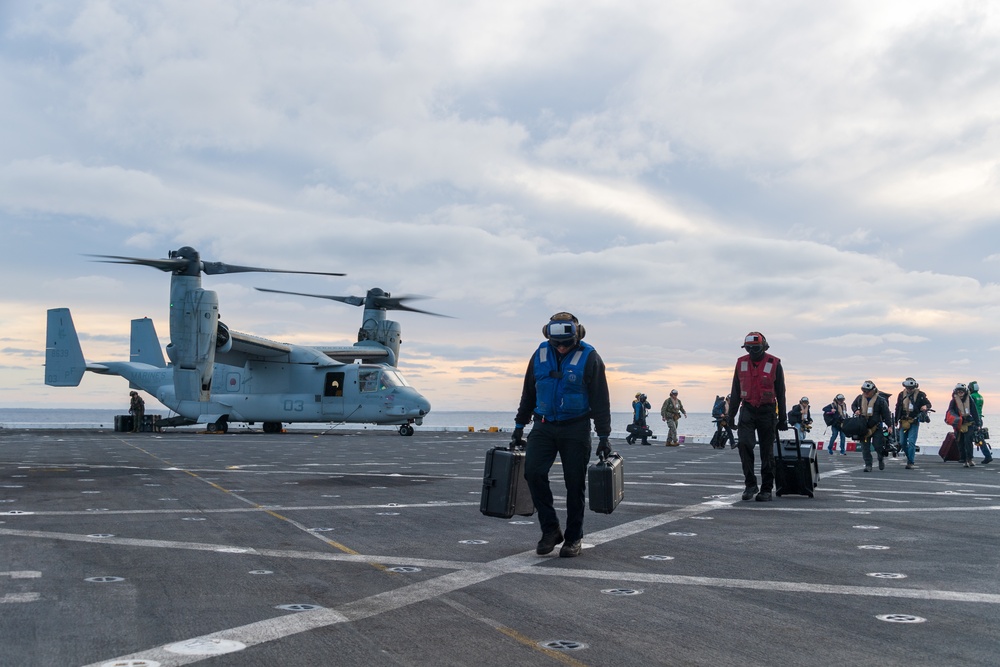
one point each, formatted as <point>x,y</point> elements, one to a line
<point>217,268</point>
<point>187,265</point>
<point>379,301</point>
<point>397,303</point>
<point>161,264</point>
<point>349,300</point>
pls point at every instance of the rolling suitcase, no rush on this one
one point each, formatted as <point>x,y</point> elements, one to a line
<point>505,491</point>
<point>123,423</point>
<point>606,480</point>
<point>949,448</point>
<point>797,475</point>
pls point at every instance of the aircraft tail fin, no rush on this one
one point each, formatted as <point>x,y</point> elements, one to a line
<point>145,346</point>
<point>64,362</point>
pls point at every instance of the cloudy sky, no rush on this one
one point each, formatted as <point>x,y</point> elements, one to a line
<point>676,174</point>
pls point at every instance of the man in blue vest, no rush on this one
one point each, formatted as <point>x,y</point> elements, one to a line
<point>565,387</point>
<point>758,396</point>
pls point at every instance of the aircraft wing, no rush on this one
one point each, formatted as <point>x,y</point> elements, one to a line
<point>348,353</point>
<point>247,346</point>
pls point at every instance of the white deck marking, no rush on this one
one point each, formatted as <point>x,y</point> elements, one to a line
<point>467,574</point>
<point>13,598</point>
<point>782,586</point>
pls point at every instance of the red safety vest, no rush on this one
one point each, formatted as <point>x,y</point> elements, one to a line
<point>757,380</point>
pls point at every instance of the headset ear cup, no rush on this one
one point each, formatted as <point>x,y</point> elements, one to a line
<point>545,332</point>
<point>581,332</point>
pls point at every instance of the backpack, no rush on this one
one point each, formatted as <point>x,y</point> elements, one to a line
<point>719,409</point>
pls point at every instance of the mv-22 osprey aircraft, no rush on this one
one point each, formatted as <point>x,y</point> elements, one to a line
<point>217,375</point>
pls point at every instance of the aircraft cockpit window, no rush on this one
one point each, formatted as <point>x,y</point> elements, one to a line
<point>394,379</point>
<point>368,380</point>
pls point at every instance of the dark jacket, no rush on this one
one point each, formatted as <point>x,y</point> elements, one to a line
<point>919,401</point>
<point>795,415</point>
<point>880,411</point>
<point>832,416</point>
<point>598,394</point>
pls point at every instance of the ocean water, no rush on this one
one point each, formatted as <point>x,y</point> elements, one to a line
<point>696,427</point>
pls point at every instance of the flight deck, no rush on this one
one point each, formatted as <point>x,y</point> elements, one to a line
<point>359,547</point>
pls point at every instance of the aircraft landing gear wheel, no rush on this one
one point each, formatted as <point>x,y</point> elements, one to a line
<point>272,427</point>
<point>221,426</point>
<point>406,429</point>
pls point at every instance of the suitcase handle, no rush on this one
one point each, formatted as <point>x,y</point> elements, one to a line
<point>604,459</point>
<point>798,444</point>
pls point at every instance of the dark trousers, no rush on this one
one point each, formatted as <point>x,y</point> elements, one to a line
<point>876,442</point>
<point>965,444</point>
<point>572,443</point>
<point>762,423</point>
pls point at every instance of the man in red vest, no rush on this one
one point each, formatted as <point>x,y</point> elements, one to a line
<point>758,396</point>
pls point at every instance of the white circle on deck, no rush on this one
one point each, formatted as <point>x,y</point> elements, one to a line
<point>298,607</point>
<point>193,518</point>
<point>702,518</point>
<point>386,513</point>
<point>320,530</point>
<point>101,535</point>
<point>404,569</point>
<point>859,512</point>
<point>873,547</point>
<point>887,575</point>
<point>622,591</point>
<point>900,618</point>
<point>205,646</point>
<point>867,527</point>
<point>104,580</point>
<point>521,523</point>
<point>562,645</point>
<point>473,542</point>
<point>131,663</point>
<point>657,557</point>
<point>683,534</point>
<point>260,572</point>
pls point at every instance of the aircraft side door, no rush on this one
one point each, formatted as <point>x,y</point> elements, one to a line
<point>333,393</point>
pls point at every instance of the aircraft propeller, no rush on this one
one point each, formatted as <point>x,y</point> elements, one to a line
<point>376,299</point>
<point>187,261</point>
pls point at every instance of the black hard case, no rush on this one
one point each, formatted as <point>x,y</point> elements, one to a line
<point>796,467</point>
<point>505,491</point>
<point>606,480</point>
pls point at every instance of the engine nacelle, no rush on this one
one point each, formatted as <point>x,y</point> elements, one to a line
<point>382,331</point>
<point>194,329</point>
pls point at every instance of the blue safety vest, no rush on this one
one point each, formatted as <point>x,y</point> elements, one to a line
<point>560,391</point>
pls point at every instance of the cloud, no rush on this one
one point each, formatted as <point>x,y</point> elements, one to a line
<point>676,175</point>
<point>870,340</point>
